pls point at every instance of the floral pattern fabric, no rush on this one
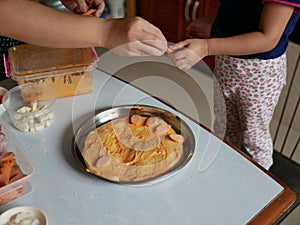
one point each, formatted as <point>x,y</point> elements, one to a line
<point>251,89</point>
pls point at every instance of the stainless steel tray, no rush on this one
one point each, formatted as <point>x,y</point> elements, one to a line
<point>117,112</point>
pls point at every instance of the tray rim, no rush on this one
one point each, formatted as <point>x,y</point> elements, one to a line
<point>161,177</point>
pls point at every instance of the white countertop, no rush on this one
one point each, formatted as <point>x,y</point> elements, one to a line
<point>230,191</point>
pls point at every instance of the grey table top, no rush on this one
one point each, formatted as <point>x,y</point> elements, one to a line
<point>230,190</point>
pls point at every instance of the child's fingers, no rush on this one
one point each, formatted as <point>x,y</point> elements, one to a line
<point>180,44</point>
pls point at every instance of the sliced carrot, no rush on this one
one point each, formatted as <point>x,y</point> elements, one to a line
<point>89,12</point>
<point>17,177</point>
<point>6,156</point>
<point>15,170</point>
<point>11,195</point>
<point>5,171</point>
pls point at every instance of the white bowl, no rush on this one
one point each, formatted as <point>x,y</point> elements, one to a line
<point>10,214</point>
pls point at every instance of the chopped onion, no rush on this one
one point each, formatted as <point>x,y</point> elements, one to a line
<point>23,218</point>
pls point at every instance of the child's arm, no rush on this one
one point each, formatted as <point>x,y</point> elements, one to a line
<point>266,38</point>
<point>37,24</point>
<point>273,21</point>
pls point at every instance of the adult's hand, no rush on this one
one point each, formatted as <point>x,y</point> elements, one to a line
<point>82,6</point>
<point>133,37</point>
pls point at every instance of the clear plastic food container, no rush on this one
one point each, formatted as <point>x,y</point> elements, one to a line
<point>19,183</point>
<point>68,70</point>
<point>3,91</point>
<point>30,106</point>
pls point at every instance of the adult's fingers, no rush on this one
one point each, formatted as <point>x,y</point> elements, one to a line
<point>82,5</point>
<point>76,6</point>
<point>100,6</point>
<point>138,48</point>
<point>71,5</point>
<point>154,47</point>
<point>146,48</point>
<point>152,32</point>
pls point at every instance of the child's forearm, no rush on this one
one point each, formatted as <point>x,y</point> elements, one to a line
<point>264,39</point>
<point>245,44</point>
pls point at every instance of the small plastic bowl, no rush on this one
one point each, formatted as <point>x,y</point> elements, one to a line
<point>30,106</point>
<point>3,91</point>
<point>26,211</point>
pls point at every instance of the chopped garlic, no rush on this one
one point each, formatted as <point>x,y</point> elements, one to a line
<point>42,117</point>
<point>24,109</point>
<point>33,106</point>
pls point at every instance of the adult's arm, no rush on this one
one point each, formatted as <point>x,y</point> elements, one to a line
<point>34,23</point>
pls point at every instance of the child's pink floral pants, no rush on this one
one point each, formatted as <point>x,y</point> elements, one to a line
<point>251,89</point>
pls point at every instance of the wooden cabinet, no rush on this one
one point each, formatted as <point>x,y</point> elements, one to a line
<point>130,8</point>
<point>172,17</point>
<point>165,14</point>
<point>210,6</point>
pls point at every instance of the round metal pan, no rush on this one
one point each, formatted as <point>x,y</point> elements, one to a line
<point>105,116</point>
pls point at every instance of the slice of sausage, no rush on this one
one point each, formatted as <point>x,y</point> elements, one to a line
<point>102,161</point>
<point>151,121</point>
<point>177,137</point>
<point>162,129</point>
<point>134,119</point>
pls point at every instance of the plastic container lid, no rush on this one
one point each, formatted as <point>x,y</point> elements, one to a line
<point>26,60</point>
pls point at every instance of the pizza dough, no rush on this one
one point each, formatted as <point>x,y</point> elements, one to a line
<point>132,149</point>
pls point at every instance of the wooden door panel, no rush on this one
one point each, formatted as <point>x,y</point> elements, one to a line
<point>211,6</point>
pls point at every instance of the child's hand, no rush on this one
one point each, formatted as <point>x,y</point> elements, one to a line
<point>187,53</point>
<point>82,6</point>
